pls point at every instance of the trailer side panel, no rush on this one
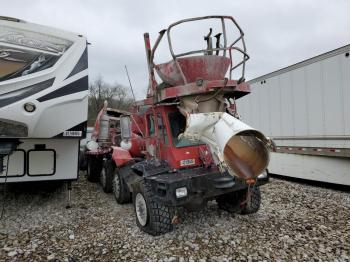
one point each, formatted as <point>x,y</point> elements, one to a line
<point>305,109</point>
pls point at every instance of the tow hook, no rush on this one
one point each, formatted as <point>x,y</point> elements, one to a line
<point>176,219</point>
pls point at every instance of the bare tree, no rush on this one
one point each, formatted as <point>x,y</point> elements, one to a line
<point>116,95</point>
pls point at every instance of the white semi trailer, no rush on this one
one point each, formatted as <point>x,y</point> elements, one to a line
<point>305,109</point>
<point>43,101</point>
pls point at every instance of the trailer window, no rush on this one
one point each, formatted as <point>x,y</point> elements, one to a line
<point>25,52</point>
<point>178,125</point>
<point>15,62</point>
<point>162,133</point>
<point>150,125</point>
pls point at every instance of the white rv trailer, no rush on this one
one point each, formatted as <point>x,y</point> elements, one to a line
<point>305,109</point>
<point>43,101</point>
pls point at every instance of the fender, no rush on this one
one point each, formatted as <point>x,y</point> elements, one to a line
<point>121,156</point>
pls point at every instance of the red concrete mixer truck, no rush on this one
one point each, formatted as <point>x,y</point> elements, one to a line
<point>183,145</point>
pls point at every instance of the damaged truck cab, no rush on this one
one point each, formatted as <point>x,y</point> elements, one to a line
<point>179,170</point>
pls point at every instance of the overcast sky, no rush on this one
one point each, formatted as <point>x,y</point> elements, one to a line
<point>278,33</point>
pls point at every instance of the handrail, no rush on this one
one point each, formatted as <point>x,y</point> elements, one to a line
<point>224,48</point>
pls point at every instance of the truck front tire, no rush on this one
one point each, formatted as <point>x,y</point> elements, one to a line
<point>151,217</point>
<point>94,168</point>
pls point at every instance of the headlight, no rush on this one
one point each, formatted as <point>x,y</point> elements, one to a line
<point>181,192</point>
<point>92,145</point>
<point>126,145</point>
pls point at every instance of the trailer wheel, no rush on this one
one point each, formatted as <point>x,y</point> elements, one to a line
<point>120,189</point>
<point>151,217</point>
<point>252,204</point>
<point>106,177</point>
<point>94,168</point>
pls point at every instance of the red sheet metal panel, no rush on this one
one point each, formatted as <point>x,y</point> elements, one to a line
<point>121,156</point>
<point>207,67</point>
<point>207,86</point>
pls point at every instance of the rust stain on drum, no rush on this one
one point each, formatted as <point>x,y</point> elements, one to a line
<point>246,155</point>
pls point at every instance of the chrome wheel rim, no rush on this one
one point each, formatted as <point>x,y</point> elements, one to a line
<point>141,209</point>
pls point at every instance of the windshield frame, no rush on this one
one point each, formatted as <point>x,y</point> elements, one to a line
<point>183,142</point>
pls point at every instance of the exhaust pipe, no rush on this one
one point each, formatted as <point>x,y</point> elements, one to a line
<point>235,146</point>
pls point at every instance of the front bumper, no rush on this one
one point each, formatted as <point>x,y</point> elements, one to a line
<point>201,183</point>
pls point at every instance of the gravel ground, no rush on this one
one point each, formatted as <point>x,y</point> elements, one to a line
<point>296,222</point>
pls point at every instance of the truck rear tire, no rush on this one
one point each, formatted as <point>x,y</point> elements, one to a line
<point>151,217</point>
<point>237,202</point>
<point>253,204</point>
<point>94,168</point>
<point>82,161</point>
<point>106,177</point>
<point>120,189</point>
